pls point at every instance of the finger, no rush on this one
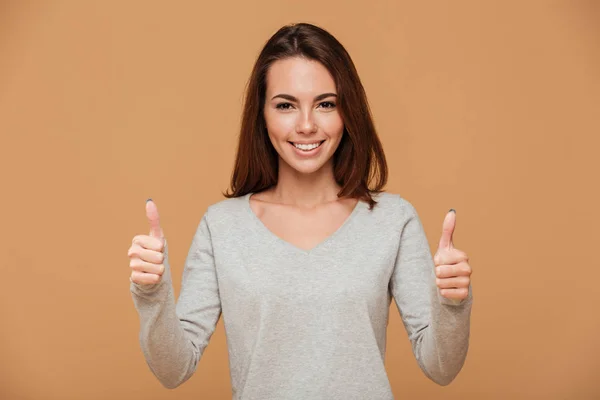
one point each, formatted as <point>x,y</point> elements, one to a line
<point>447,230</point>
<point>142,278</point>
<point>453,256</point>
<point>450,271</point>
<point>153,219</point>
<point>151,256</point>
<point>455,294</point>
<point>140,265</point>
<point>149,242</point>
<point>453,283</point>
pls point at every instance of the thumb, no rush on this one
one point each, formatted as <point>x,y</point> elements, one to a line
<point>448,230</point>
<point>153,219</point>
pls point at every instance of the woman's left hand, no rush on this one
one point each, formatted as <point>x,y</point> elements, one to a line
<point>452,269</point>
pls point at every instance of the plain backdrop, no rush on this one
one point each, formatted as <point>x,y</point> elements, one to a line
<point>488,107</point>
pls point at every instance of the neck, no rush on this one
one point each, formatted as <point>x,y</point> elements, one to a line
<point>305,190</point>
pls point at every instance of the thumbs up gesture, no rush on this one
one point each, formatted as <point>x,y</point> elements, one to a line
<point>452,270</point>
<point>146,252</point>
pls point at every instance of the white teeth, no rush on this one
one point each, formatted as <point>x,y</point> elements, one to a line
<point>307,146</point>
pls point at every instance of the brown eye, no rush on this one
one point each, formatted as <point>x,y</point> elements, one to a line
<point>327,104</point>
<point>283,106</point>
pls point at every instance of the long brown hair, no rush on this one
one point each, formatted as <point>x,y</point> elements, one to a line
<point>359,159</point>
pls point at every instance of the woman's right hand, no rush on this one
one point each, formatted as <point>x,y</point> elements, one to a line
<point>146,253</point>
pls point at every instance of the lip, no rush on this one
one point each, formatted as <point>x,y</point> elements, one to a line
<point>304,153</point>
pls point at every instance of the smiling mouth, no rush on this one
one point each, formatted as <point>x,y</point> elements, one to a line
<point>307,147</point>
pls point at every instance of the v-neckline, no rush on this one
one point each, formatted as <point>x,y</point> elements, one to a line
<point>262,227</point>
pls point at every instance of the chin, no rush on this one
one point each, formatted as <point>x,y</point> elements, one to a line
<point>305,168</point>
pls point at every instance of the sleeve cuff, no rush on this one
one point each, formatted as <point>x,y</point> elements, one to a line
<point>455,302</point>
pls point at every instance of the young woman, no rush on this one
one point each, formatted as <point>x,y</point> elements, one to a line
<point>304,256</point>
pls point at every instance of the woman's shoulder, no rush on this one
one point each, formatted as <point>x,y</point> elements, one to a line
<point>227,210</point>
<point>393,203</point>
<point>391,212</point>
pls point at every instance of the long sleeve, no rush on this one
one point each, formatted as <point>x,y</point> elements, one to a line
<point>173,335</point>
<point>438,329</point>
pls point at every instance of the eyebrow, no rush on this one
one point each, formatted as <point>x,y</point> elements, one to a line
<point>292,98</point>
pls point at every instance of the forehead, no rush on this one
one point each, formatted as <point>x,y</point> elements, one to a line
<point>299,75</point>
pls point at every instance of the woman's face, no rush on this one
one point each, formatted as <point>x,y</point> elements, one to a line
<point>301,113</point>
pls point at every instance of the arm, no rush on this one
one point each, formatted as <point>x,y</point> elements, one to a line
<point>438,328</point>
<point>173,336</point>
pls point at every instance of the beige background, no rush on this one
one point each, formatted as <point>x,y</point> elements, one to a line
<point>490,107</point>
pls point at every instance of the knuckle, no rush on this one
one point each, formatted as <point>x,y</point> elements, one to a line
<point>134,250</point>
<point>141,241</point>
<point>135,263</point>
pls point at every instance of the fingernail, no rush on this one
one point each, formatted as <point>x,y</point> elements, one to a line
<point>148,200</point>
<point>453,210</point>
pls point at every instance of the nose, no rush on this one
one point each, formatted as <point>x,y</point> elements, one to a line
<point>306,123</point>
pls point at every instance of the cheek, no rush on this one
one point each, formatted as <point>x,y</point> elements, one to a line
<point>332,125</point>
<point>279,125</point>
